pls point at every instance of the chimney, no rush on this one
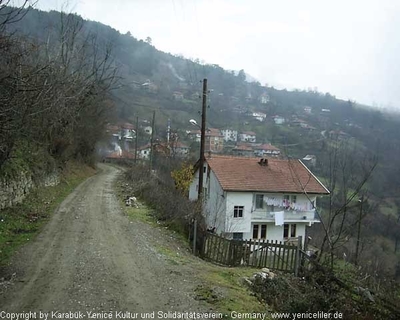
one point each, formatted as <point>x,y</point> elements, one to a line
<point>263,162</point>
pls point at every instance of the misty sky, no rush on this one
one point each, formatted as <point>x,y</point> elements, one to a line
<point>349,48</point>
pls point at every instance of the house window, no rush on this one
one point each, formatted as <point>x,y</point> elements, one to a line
<point>238,211</point>
<point>289,229</point>
<point>294,198</point>
<point>204,169</point>
<point>238,236</point>
<point>259,231</point>
<point>286,230</point>
<point>293,230</point>
<point>259,201</point>
<point>263,231</point>
<point>255,231</point>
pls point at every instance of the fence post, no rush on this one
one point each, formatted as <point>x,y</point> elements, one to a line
<point>297,262</point>
<point>194,236</point>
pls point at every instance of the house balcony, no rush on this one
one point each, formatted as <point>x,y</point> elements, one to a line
<point>289,216</point>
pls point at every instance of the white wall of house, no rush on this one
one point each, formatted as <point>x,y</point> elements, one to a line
<point>275,233</point>
<point>279,120</point>
<point>260,116</point>
<point>229,135</point>
<point>216,200</point>
<point>244,137</point>
<point>252,216</point>
<point>144,154</point>
<point>220,206</point>
<point>238,199</point>
<point>193,193</point>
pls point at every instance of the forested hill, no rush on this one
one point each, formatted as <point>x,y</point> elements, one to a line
<point>149,79</point>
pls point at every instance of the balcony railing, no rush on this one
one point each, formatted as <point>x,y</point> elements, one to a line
<point>288,215</point>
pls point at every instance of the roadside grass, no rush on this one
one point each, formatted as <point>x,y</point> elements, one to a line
<point>21,223</point>
<point>223,287</point>
<point>142,214</point>
<point>173,256</point>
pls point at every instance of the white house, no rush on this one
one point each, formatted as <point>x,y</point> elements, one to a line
<point>266,150</point>
<point>194,135</point>
<point>279,120</point>
<point>310,160</point>
<point>307,109</point>
<point>260,116</point>
<point>264,98</point>
<point>250,198</point>
<point>248,136</point>
<point>144,152</point>
<point>229,135</point>
<point>179,149</point>
<point>148,130</point>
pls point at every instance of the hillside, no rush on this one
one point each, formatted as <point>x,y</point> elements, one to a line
<point>149,79</point>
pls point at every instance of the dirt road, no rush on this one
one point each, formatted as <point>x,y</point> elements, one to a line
<point>90,257</point>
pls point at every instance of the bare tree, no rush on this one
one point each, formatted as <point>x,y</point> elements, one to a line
<point>347,171</point>
<point>53,94</point>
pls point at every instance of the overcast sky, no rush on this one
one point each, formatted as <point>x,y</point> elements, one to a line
<point>349,48</point>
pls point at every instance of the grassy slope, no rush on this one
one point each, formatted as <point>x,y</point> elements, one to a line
<point>21,223</point>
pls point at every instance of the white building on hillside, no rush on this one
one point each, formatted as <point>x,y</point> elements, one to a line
<point>260,116</point>
<point>247,136</point>
<point>249,198</point>
<point>229,135</point>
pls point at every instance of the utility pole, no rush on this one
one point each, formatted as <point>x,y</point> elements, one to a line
<point>152,140</point>
<point>136,137</point>
<point>203,138</point>
<point>201,160</point>
<point>359,230</point>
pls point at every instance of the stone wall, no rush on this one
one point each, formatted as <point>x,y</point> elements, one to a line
<point>13,191</point>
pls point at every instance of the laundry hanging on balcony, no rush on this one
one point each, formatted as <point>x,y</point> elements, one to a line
<point>284,203</point>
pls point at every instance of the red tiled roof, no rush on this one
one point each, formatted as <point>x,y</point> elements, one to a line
<point>266,147</point>
<point>173,144</point>
<point>127,125</point>
<point>194,132</point>
<point>146,146</point>
<point>123,155</point>
<point>211,132</point>
<point>179,145</point>
<point>243,147</point>
<point>246,174</point>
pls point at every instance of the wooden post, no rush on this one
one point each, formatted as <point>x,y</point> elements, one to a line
<point>152,140</point>
<point>297,261</point>
<point>194,235</point>
<point>359,231</point>
<point>136,137</point>
<point>201,159</point>
<point>202,140</point>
